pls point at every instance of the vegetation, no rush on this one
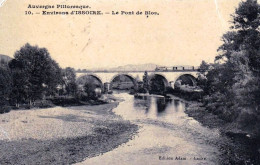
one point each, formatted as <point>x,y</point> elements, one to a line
<point>88,88</point>
<point>152,84</point>
<point>4,60</point>
<point>232,84</point>
<point>69,81</point>
<point>146,85</point>
<point>91,90</point>
<point>5,89</point>
<point>157,85</point>
<point>32,76</point>
<point>122,82</point>
<point>35,74</point>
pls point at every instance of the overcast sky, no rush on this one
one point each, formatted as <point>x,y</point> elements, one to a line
<point>185,32</point>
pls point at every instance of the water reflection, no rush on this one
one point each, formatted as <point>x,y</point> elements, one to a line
<point>158,107</point>
<point>176,104</point>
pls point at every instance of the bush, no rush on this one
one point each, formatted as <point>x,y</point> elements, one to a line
<point>5,109</point>
<point>141,90</point>
<point>43,104</point>
<point>247,119</point>
<point>169,90</point>
<point>62,101</point>
<point>190,96</point>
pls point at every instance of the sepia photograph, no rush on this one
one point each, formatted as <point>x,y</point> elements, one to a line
<point>130,82</point>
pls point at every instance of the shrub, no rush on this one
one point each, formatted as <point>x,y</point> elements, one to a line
<point>43,104</point>
<point>5,109</point>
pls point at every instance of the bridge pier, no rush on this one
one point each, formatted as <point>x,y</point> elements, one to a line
<point>171,84</point>
<point>106,87</point>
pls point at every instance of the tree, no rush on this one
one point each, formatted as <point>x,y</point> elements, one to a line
<point>90,89</point>
<point>202,80</point>
<point>232,83</point>
<point>244,35</point>
<point>203,68</point>
<point>35,73</point>
<point>19,93</point>
<point>246,16</point>
<point>5,87</point>
<point>241,46</point>
<point>157,85</point>
<point>146,85</point>
<point>69,80</point>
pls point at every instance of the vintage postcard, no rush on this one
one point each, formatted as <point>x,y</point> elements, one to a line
<point>130,82</point>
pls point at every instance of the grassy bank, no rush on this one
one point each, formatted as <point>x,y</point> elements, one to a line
<point>78,132</point>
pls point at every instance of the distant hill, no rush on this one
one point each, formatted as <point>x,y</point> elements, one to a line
<point>4,59</point>
<point>130,67</point>
<point>141,67</point>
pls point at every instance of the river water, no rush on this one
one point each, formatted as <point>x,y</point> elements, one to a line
<point>166,135</point>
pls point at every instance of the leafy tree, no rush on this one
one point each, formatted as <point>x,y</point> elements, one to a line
<point>202,79</point>
<point>69,80</point>
<point>204,67</point>
<point>157,85</point>
<point>241,46</point>
<point>177,84</point>
<point>35,73</point>
<point>146,85</point>
<point>244,35</point>
<point>232,84</point>
<point>5,87</point>
<point>90,89</point>
<point>5,82</point>
<point>20,90</point>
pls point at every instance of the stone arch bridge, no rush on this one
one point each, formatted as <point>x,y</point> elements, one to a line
<point>169,77</point>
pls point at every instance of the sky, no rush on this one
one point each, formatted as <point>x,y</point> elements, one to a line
<point>184,33</point>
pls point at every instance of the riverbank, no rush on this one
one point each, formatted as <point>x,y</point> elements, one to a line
<point>239,147</point>
<point>61,135</point>
<point>63,101</point>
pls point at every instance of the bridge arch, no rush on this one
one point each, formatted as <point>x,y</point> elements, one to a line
<point>185,79</point>
<point>158,83</point>
<point>126,75</point>
<point>159,75</point>
<point>84,78</point>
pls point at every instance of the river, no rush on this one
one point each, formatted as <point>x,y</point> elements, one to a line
<point>166,135</point>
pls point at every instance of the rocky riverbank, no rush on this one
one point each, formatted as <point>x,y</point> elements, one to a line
<point>61,135</point>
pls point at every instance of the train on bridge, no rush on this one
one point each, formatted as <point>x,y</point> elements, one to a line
<point>177,68</point>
